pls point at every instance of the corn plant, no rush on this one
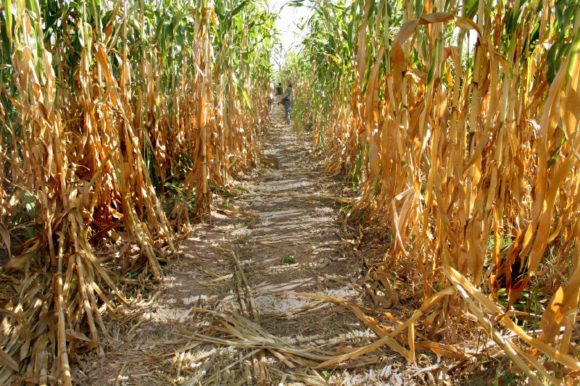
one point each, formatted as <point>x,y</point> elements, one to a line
<point>458,123</point>
<point>103,106</point>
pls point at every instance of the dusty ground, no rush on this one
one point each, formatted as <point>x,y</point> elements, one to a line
<point>276,238</point>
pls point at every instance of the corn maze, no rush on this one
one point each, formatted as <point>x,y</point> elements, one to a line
<point>453,124</point>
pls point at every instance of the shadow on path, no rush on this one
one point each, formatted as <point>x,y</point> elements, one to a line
<point>279,238</point>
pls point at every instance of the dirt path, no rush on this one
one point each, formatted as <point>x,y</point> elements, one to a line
<point>277,238</point>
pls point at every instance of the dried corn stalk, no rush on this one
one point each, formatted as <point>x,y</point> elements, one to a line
<point>459,124</point>
<point>104,106</point>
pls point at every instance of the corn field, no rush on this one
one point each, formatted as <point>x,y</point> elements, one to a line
<point>456,121</point>
<point>107,106</point>
<point>458,124</point>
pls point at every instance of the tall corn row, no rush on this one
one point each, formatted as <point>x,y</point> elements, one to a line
<point>468,155</point>
<point>104,105</point>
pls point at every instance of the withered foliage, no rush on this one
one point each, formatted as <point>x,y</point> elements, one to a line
<point>458,121</point>
<point>104,106</point>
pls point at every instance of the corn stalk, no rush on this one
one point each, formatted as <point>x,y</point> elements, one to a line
<point>456,120</point>
<point>104,108</point>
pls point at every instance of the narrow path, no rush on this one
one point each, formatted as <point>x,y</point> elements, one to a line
<point>276,239</point>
